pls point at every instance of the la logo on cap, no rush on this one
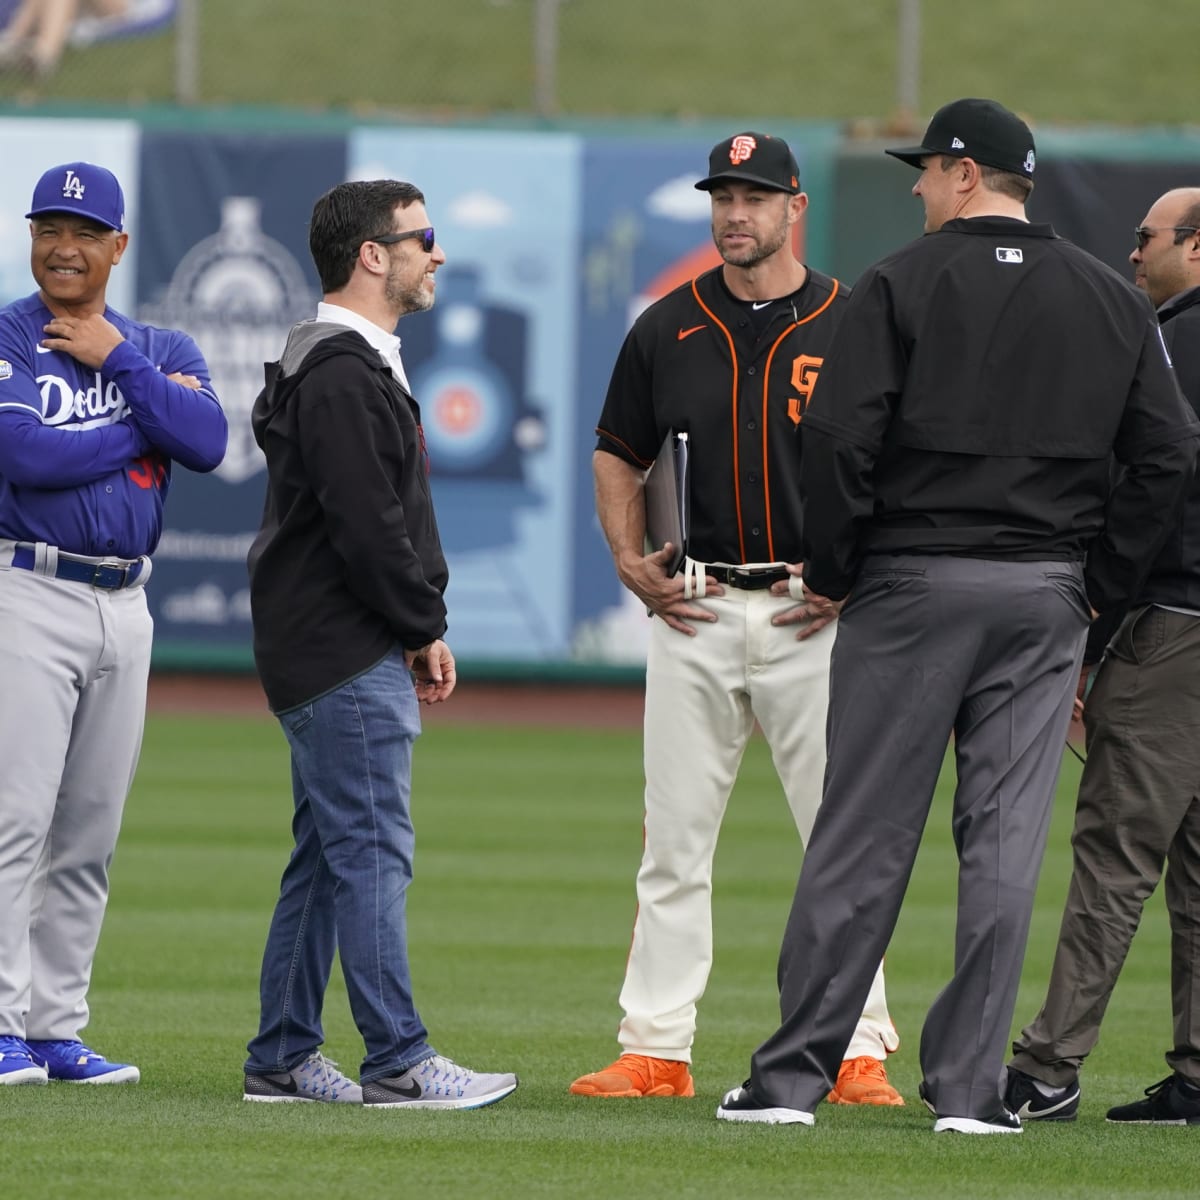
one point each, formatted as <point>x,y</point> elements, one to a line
<point>741,148</point>
<point>73,188</point>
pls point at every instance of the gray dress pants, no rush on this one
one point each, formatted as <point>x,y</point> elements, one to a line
<point>929,646</point>
<point>1138,808</point>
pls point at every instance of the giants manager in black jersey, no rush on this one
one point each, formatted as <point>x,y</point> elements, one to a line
<point>730,359</point>
<point>955,470</point>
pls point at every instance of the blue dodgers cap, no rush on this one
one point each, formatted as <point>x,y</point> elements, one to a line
<point>83,190</point>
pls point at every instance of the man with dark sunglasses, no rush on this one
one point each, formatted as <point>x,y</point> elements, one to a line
<point>1139,798</point>
<point>347,579</point>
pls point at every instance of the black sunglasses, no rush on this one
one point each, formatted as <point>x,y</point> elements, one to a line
<point>1143,233</point>
<point>426,235</point>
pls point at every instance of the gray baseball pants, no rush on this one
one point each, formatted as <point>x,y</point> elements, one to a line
<point>929,646</point>
<point>74,661</point>
<point>1138,808</point>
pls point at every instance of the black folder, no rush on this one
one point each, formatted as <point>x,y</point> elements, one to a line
<point>667,501</point>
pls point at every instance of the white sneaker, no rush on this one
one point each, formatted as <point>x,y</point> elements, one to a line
<point>316,1078</point>
<point>437,1082</point>
<point>742,1105</point>
<point>1006,1122</point>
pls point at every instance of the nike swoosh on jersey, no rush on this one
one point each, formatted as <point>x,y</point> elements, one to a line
<point>43,349</point>
<point>686,333</point>
<point>764,304</point>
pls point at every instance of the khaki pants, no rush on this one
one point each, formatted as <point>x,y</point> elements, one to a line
<point>1138,808</point>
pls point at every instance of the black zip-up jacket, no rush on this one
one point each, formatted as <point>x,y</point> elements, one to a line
<point>348,563</point>
<point>694,362</point>
<point>976,389</point>
<point>1174,579</point>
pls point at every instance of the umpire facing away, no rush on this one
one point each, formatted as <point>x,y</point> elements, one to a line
<point>955,471</point>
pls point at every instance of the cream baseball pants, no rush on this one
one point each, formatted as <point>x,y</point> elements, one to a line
<point>703,695</point>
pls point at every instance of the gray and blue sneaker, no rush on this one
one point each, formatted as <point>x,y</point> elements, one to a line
<point>316,1078</point>
<point>437,1082</point>
<point>16,1063</point>
<point>72,1062</point>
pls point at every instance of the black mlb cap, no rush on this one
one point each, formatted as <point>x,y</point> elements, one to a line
<point>978,129</point>
<point>753,158</point>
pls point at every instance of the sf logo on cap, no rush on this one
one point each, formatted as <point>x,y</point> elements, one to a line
<point>741,148</point>
<point>73,186</point>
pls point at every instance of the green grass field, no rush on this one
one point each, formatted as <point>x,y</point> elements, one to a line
<point>1071,61</point>
<point>519,919</point>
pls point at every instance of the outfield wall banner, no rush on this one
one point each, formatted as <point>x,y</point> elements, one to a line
<point>1097,204</point>
<point>646,231</point>
<point>555,241</point>
<point>492,367</point>
<point>224,256</point>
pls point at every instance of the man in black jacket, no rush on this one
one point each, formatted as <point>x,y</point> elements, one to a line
<point>1139,798</point>
<point>346,584</point>
<point>955,475</point>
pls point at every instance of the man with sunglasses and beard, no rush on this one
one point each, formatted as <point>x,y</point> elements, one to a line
<point>347,579</point>
<point>731,359</point>
<point>1138,805</point>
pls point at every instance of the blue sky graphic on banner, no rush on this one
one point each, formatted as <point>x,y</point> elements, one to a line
<point>30,146</point>
<point>645,230</point>
<point>223,228</point>
<point>492,367</point>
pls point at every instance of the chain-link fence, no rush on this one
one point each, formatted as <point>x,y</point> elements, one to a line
<point>446,59</point>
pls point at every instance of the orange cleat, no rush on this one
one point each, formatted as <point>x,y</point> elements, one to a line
<point>638,1075</point>
<point>864,1081</point>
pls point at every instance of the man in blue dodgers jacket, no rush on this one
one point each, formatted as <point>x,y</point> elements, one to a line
<point>93,409</point>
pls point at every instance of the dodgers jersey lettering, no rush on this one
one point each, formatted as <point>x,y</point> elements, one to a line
<point>85,454</point>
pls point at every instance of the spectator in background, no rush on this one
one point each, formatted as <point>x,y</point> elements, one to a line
<point>35,39</point>
<point>1137,808</point>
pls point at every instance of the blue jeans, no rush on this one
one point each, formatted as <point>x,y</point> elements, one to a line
<point>345,884</point>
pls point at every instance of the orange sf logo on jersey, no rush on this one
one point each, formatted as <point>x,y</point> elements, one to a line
<point>741,148</point>
<point>805,369</point>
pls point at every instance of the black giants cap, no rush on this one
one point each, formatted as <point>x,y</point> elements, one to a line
<point>753,158</point>
<point>978,129</point>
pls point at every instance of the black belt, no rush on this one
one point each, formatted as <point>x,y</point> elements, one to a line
<point>110,576</point>
<point>749,579</point>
